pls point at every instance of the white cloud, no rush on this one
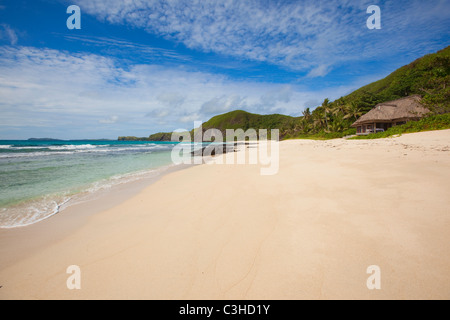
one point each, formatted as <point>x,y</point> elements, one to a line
<point>282,94</point>
<point>304,35</point>
<point>130,48</point>
<point>171,100</point>
<point>6,32</point>
<point>190,118</point>
<point>110,120</point>
<point>222,104</point>
<point>319,71</point>
<point>158,113</point>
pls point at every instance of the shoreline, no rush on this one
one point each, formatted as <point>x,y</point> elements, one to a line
<point>226,232</point>
<point>41,178</point>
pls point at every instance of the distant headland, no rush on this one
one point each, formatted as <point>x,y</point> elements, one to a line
<point>52,139</point>
<point>43,139</point>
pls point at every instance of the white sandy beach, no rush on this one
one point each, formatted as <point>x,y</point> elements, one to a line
<point>226,232</point>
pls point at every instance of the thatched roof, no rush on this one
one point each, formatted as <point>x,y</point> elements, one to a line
<point>408,108</point>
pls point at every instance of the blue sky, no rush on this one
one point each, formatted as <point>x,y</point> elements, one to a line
<point>138,67</point>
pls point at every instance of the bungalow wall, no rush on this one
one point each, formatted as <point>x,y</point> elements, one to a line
<point>369,128</point>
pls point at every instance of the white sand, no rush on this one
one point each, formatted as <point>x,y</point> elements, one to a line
<point>226,232</point>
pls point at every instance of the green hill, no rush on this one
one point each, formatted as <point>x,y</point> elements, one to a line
<point>161,136</point>
<point>428,76</point>
<point>244,120</point>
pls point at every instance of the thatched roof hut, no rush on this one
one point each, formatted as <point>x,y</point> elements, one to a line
<point>391,113</point>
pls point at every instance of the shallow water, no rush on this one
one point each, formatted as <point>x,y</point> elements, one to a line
<point>38,177</point>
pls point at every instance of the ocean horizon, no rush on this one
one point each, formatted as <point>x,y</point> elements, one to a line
<point>38,177</point>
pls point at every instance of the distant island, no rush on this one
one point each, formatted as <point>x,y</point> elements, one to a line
<point>161,136</point>
<point>43,139</point>
<point>52,139</point>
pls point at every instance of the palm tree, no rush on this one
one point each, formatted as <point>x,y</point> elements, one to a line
<point>293,127</point>
<point>326,109</point>
<point>307,114</point>
<point>305,126</point>
<point>338,124</point>
<point>353,111</point>
<point>318,119</point>
<point>338,108</point>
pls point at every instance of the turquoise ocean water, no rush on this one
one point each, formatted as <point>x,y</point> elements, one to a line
<point>38,177</point>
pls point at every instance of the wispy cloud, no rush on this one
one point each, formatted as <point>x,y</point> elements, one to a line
<point>223,104</point>
<point>309,35</point>
<point>110,120</point>
<point>319,71</point>
<point>113,45</point>
<point>6,32</point>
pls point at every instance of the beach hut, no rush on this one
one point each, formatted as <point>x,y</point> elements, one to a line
<point>389,114</point>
